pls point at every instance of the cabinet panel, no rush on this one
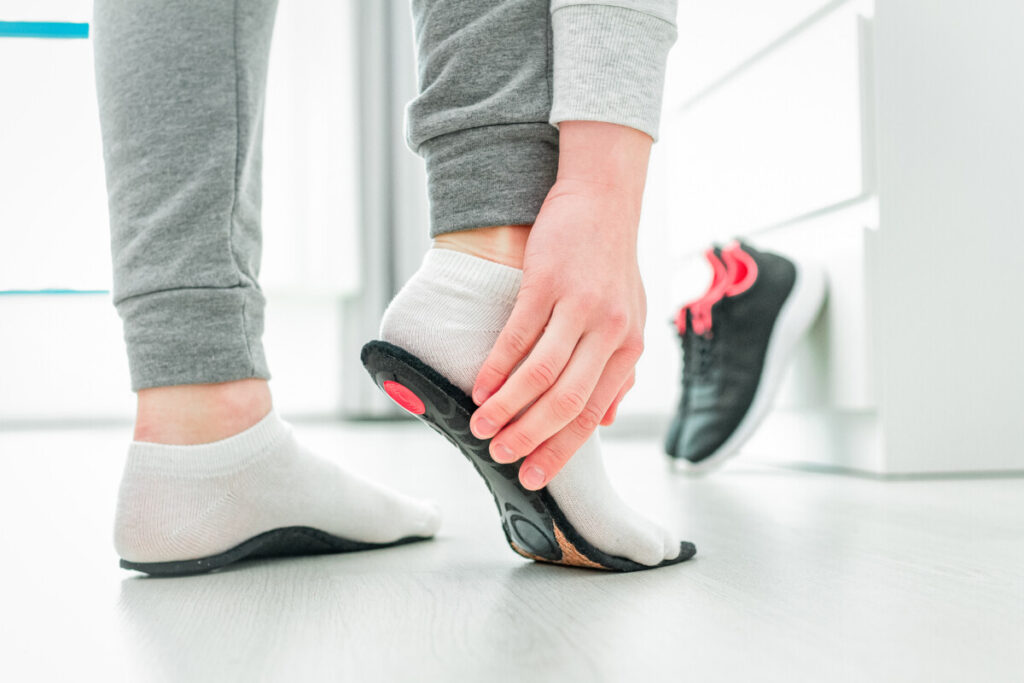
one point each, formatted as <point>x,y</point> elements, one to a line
<point>781,139</point>
<point>831,370</point>
<point>950,252</point>
<point>717,35</point>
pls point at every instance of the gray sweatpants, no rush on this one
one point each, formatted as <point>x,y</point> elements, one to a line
<point>181,90</point>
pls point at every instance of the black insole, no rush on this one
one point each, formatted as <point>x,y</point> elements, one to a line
<point>531,519</point>
<point>283,542</point>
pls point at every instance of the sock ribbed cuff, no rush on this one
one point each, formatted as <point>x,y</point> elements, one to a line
<point>209,459</point>
<point>490,280</point>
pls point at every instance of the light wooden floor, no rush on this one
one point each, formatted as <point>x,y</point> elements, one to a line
<point>799,577</point>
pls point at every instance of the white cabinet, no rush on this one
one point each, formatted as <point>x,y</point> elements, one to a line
<point>886,143</point>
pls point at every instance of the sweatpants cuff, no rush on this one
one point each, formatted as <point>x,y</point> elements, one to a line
<point>489,175</point>
<point>194,336</point>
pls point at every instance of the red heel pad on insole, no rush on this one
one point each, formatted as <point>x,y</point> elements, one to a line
<point>403,396</point>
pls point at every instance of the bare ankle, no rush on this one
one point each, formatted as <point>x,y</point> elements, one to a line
<point>200,413</point>
<point>504,244</point>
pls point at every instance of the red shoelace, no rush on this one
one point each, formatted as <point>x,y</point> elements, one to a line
<point>734,273</point>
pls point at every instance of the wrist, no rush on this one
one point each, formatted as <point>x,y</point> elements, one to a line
<point>606,156</point>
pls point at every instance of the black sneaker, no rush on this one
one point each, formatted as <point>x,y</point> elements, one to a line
<point>736,341</point>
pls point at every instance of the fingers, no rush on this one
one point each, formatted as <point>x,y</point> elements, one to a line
<point>609,416</point>
<point>559,406</point>
<point>536,375</point>
<point>544,462</point>
<point>528,319</point>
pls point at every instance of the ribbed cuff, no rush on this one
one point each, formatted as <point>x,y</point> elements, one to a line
<point>489,175</point>
<point>489,280</point>
<point>209,459</point>
<point>609,65</point>
<point>194,336</point>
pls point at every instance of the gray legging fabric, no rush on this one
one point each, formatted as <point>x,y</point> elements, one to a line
<point>181,90</point>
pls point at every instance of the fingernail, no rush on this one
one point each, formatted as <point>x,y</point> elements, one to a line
<point>479,396</point>
<point>532,477</point>
<point>484,428</point>
<point>503,454</point>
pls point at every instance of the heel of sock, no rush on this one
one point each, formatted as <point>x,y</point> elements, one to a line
<point>451,311</point>
<point>152,525</point>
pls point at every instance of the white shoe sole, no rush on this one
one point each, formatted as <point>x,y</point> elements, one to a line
<point>795,319</point>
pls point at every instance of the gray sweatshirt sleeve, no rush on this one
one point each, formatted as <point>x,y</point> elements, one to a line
<point>609,60</point>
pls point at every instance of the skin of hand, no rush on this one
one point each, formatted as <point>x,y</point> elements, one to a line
<point>566,357</point>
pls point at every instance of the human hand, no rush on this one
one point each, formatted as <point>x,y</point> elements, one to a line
<point>566,356</point>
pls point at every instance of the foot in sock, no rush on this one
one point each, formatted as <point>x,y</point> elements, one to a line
<point>448,316</point>
<point>188,509</point>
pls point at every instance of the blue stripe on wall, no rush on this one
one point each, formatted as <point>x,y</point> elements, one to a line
<point>20,292</point>
<point>43,29</point>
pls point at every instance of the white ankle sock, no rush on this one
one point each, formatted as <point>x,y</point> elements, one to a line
<point>449,314</point>
<point>188,502</point>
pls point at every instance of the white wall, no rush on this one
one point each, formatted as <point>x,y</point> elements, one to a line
<point>53,212</point>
